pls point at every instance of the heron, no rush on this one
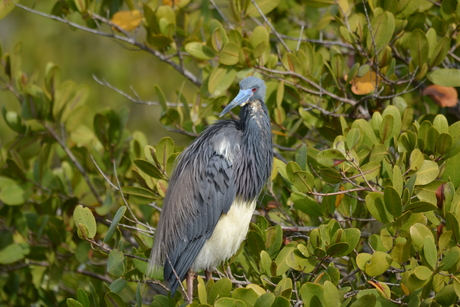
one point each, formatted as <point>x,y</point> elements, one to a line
<point>213,190</point>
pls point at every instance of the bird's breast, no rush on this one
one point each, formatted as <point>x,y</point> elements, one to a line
<point>230,231</point>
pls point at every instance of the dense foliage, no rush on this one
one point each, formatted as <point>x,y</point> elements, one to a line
<point>363,206</point>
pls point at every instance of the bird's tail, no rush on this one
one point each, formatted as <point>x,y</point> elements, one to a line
<point>155,266</point>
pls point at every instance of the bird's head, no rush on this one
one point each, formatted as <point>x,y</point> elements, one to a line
<point>251,89</point>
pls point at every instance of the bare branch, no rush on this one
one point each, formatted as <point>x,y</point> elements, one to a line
<point>270,25</point>
<point>318,87</point>
<point>186,73</point>
<point>74,160</point>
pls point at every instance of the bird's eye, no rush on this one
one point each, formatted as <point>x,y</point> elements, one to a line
<point>254,89</point>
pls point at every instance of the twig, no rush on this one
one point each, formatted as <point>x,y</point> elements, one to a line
<point>189,299</point>
<point>121,192</point>
<point>144,232</point>
<point>317,41</point>
<point>270,25</point>
<point>94,275</point>
<point>321,90</point>
<point>186,73</point>
<point>74,161</point>
<point>338,192</point>
<point>221,14</point>
<point>102,173</point>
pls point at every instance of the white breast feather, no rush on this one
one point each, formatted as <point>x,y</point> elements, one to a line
<point>230,231</point>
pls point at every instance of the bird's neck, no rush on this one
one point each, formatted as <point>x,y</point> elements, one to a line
<point>257,148</point>
<point>255,121</point>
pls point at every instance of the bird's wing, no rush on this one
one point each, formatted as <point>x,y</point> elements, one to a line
<point>201,189</point>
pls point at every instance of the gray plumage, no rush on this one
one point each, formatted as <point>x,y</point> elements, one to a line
<point>228,164</point>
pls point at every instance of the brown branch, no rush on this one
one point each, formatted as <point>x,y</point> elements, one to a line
<point>322,91</point>
<point>126,39</point>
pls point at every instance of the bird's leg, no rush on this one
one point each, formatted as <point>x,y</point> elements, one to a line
<point>208,274</point>
<point>189,279</point>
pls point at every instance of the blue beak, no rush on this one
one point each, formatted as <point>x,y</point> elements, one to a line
<point>242,97</point>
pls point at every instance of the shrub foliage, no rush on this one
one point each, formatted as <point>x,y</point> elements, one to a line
<point>363,205</point>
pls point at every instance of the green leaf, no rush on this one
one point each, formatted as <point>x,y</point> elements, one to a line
<point>447,296</point>
<point>94,298</point>
<point>221,288</point>
<point>449,77</point>
<point>331,294</point>
<point>453,224</point>
<point>298,262</point>
<point>428,172</point>
<point>440,52</point>
<point>83,297</point>
<point>117,285</point>
<point>256,243</point>
<point>230,302</point>
<point>219,37</point>
<point>443,144</point>
<point>199,51</point>
<point>303,181</point>
<point>337,248</point>
<point>283,257</point>
<point>161,98</point>
<point>139,195</point>
<point>420,206</point>
<point>230,54</point>
<point>115,263</point>
<point>387,239</point>
<point>310,292</point>
<point>84,216</point>
<point>14,121</point>
<point>284,288</point>
<point>378,264</point>
<point>354,138</point>
<point>247,295</point>
<point>73,303</point>
<point>265,300</point>
<point>416,159</point>
<point>418,232</point>
<point>383,27</point>
<point>6,6</point>
<point>149,168</point>
<point>452,170</point>
<point>163,150</point>
<point>274,240</point>
<point>417,47</point>
<point>221,78</point>
<point>266,6</point>
<point>392,201</point>
<point>113,300</point>
<point>13,253</point>
<point>330,157</point>
<point>376,207</point>
<point>114,224</point>
<point>306,204</point>
<point>353,236</point>
<point>13,194</point>
<point>366,300</point>
<point>450,259</point>
<point>430,252</point>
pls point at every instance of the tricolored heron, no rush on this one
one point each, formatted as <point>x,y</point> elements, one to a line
<point>213,190</point>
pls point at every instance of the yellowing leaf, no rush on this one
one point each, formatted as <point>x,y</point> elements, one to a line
<point>6,6</point>
<point>365,84</point>
<point>443,96</point>
<point>127,20</point>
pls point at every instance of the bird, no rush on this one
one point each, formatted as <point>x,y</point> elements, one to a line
<point>213,190</point>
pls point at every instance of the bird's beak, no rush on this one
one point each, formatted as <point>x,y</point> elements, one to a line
<point>242,97</point>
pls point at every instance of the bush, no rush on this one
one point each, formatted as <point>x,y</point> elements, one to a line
<point>362,208</point>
